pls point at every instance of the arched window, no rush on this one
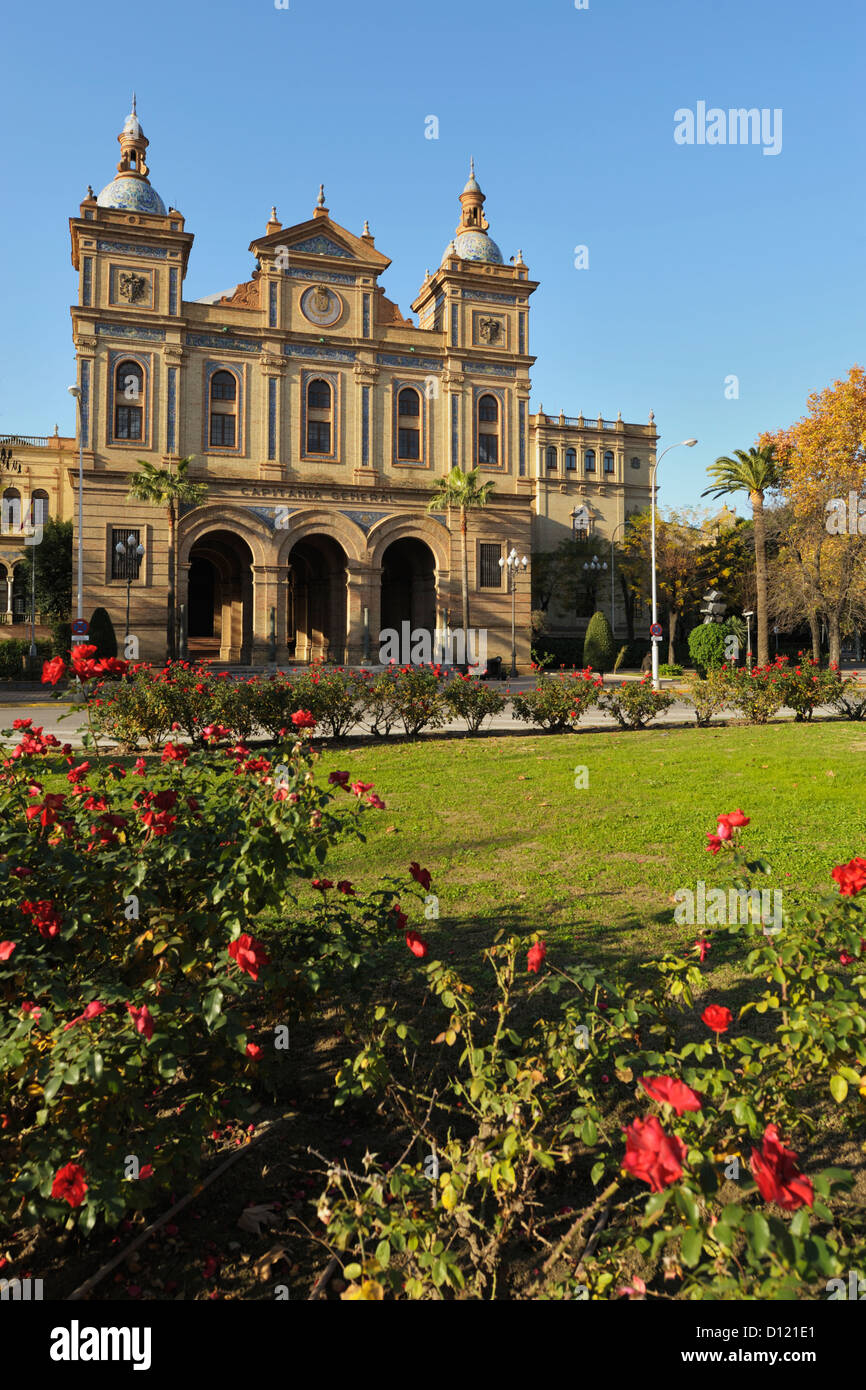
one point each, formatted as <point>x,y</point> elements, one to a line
<point>408,424</point>
<point>551,459</point>
<point>319,417</point>
<point>570,461</point>
<point>10,512</point>
<point>223,431</point>
<point>488,430</point>
<point>38,507</point>
<point>128,401</point>
<point>589,461</point>
<point>608,461</point>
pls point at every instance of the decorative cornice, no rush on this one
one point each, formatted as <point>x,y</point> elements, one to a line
<point>430,364</point>
<point>319,353</point>
<point>330,277</point>
<point>130,330</point>
<point>489,368</point>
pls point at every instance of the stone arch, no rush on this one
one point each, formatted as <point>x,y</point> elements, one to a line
<point>216,516</point>
<point>317,521</point>
<point>219,594</point>
<point>411,526</point>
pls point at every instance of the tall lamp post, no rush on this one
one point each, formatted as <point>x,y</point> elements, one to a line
<point>131,553</point>
<point>684,443</point>
<point>512,566</point>
<point>749,614</point>
<point>79,637</point>
<point>594,567</point>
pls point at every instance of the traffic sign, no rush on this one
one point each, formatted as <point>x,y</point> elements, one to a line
<point>655,629</point>
<point>79,627</point>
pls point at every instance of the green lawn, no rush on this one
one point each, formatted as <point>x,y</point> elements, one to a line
<point>512,843</point>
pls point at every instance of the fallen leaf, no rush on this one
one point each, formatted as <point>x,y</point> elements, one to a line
<point>255,1217</point>
<point>263,1265</point>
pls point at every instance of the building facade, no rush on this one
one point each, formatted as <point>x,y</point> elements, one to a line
<point>319,417</point>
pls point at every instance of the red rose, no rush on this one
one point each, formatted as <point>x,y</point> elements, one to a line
<point>376,802</point>
<point>420,875</point>
<point>69,1185</point>
<point>535,956</point>
<point>850,877</point>
<point>736,819</point>
<point>402,919</point>
<point>303,719</point>
<point>143,1020</point>
<point>345,886</point>
<point>6,949</point>
<point>417,945</point>
<point>671,1092</point>
<point>717,1017</point>
<point>714,845</point>
<point>724,830</point>
<point>249,954</point>
<point>53,670</point>
<point>339,779</point>
<point>174,753</point>
<point>653,1156</point>
<point>703,946</point>
<point>323,884</point>
<point>45,916</point>
<point>254,1051</point>
<point>359,788</point>
<point>777,1175</point>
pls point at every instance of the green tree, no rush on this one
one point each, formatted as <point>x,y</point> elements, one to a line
<point>100,632</point>
<point>461,490</point>
<point>53,559</point>
<point>756,473</point>
<point>168,488</point>
<point>599,648</point>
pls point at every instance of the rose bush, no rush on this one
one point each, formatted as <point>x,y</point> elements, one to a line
<point>686,1140</point>
<point>150,925</point>
<point>557,702</point>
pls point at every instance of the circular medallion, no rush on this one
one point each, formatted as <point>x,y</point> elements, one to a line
<point>321,305</point>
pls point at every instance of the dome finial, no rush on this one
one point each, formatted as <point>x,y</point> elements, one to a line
<point>134,112</point>
<point>320,201</point>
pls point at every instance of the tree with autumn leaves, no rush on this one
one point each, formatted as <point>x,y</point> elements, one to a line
<point>822,457</point>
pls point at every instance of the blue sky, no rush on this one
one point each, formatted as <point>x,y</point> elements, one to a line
<point>705,261</point>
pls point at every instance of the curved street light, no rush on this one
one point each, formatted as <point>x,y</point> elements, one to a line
<point>683,443</point>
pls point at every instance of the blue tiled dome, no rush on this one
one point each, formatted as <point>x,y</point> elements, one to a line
<point>131,195</point>
<point>476,246</point>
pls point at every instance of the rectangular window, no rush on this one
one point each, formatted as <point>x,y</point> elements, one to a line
<point>455,324</point>
<point>488,448</point>
<point>490,570</point>
<point>125,564</point>
<point>127,422</point>
<point>318,437</point>
<point>408,444</point>
<point>172,290</point>
<point>608,463</point>
<point>222,431</point>
<point>521,463</point>
<point>366,311</point>
<point>521,329</point>
<point>88,280</point>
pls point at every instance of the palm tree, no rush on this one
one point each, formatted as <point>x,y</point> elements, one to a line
<point>164,487</point>
<point>459,489</point>
<point>754,472</point>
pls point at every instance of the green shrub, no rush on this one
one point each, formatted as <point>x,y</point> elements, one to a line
<point>599,648</point>
<point>669,669</point>
<point>849,698</point>
<point>757,694</point>
<point>709,696</point>
<point>100,633</point>
<point>14,653</point>
<point>634,704</point>
<point>470,699</point>
<point>557,702</point>
<point>409,696</point>
<point>707,647</point>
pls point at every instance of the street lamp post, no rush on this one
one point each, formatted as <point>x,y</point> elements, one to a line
<point>131,552</point>
<point>76,392</point>
<point>595,567</point>
<point>749,614</point>
<point>512,566</point>
<point>688,444</point>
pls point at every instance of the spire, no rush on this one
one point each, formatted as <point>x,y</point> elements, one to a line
<point>274,223</point>
<point>472,202</point>
<point>320,210</point>
<point>133,144</point>
<point>133,104</point>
